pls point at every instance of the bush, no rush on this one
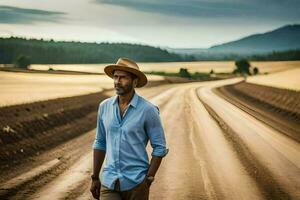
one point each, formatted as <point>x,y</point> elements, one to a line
<point>23,62</point>
<point>255,71</point>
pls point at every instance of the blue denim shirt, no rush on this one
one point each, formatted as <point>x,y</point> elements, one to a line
<point>125,140</point>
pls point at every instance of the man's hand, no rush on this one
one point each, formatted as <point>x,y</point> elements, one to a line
<point>95,188</point>
<point>99,156</point>
<point>148,183</point>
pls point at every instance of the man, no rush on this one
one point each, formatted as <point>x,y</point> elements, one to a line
<point>125,124</point>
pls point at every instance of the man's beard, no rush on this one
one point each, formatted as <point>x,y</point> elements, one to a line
<point>123,90</point>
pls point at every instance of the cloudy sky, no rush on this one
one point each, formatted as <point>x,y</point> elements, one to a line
<point>164,23</point>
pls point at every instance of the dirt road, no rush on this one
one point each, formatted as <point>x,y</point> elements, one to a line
<point>217,151</point>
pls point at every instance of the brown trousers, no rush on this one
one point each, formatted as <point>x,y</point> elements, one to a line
<point>139,192</point>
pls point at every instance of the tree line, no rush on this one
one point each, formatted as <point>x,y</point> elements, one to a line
<point>57,52</point>
<point>39,51</point>
<point>278,56</point>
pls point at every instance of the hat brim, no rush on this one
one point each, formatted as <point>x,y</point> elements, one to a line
<point>142,79</point>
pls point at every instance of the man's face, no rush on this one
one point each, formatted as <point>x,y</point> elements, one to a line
<point>123,82</point>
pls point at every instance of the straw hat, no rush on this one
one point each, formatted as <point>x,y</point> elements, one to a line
<point>127,65</point>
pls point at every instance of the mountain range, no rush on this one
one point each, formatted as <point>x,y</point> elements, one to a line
<point>281,39</point>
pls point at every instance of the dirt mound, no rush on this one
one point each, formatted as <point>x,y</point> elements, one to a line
<point>279,108</point>
<point>30,129</point>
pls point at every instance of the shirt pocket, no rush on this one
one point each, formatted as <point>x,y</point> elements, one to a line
<point>133,136</point>
<point>114,131</point>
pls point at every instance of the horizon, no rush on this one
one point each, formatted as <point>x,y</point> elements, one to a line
<point>183,25</point>
<point>136,43</point>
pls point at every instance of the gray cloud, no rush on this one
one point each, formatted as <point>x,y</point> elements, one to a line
<point>256,9</point>
<point>15,15</point>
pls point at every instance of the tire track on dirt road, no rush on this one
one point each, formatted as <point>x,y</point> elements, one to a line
<point>269,156</point>
<point>223,165</point>
<point>201,163</point>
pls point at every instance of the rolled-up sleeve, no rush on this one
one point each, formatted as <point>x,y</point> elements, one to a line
<point>155,132</point>
<point>100,138</point>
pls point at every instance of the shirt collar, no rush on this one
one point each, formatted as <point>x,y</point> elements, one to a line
<point>133,101</point>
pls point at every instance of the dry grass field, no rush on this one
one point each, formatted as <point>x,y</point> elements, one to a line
<point>18,88</point>
<point>199,66</point>
<point>289,79</point>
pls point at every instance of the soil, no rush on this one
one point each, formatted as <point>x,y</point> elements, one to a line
<point>277,107</point>
<point>32,128</point>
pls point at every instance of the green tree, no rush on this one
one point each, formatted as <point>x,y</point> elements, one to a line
<point>23,62</point>
<point>183,72</point>
<point>243,66</point>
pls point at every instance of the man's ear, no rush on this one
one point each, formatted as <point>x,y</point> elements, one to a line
<point>135,82</point>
